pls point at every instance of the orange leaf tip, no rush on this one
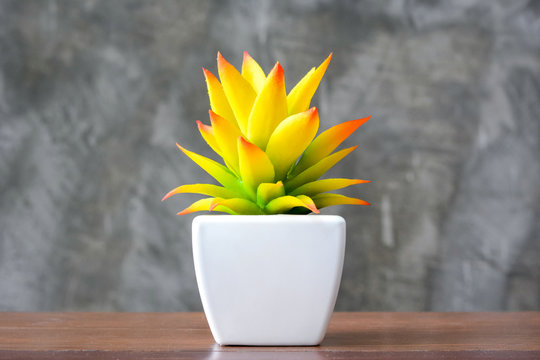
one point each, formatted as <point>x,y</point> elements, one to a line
<point>277,72</point>
<point>169,194</point>
<point>181,148</point>
<point>313,113</point>
<point>244,142</point>
<point>349,127</point>
<point>221,60</point>
<point>313,208</point>
<point>184,212</point>
<point>326,62</point>
<point>362,121</point>
<point>214,117</point>
<point>247,56</point>
<point>249,147</point>
<point>204,127</point>
<point>208,75</point>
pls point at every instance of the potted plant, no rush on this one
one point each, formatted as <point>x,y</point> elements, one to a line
<point>266,274</point>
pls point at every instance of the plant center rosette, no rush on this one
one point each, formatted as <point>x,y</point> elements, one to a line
<point>272,158</point>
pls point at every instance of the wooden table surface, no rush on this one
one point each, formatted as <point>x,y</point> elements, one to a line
<point>350,336</point>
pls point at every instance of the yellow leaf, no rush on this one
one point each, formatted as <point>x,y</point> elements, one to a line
<point>316,171</point>
<point>203,189</point>
<point>327,142</point>
<point>324,200</point>
<point>300,96</point>
<point>255,167</point>
<point>208,135</point>
<point>238,91</point>
<point>200,205</point>
<point>310,204</point>
<point>285,203</point>
<point>269,108</point>
<point>269,191</point>
<point>302,81</point>
<point>216,170</point>
<point>226,136</point>
<point>252,72</point>
<point>321,186</point>
<point>237,206</point>
<point>218,100</point>
<point>290,139</point>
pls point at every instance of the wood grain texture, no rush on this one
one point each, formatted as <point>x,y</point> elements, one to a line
<point>350,335</point>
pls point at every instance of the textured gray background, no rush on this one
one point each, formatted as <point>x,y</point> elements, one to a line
<point>94,94</point>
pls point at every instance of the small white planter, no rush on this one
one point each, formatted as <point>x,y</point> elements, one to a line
<point>270,279</point>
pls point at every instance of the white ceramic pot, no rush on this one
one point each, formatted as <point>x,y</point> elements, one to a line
<point>268,279</point>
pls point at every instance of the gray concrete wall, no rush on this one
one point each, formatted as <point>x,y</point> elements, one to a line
<point>94,94</point>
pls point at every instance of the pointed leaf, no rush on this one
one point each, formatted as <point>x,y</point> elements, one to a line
<point>200,205</point>
<point>238,91</point>
<point>283,204</point>
<point>302,81</point>
<point>327,142</point>
<point>252,72</point>
<point>290,139</point>
<point>269,108</point>
<point>218,100</point>
<point>300,96</point>
<point>238,206</point>
<point>310,204</point>
<point>215,206</point>
<point>321,186</point>
<point>269,191</point>
<point>216,170</point>
<point>226,136</point>
<point>255,167</point>
<point>328,199</point>
<point>316,171</point>
<point>208,204</point>
<point>208,135</point>
<point>203,189</point>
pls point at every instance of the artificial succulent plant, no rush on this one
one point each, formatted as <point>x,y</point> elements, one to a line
<point>272,158</point>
